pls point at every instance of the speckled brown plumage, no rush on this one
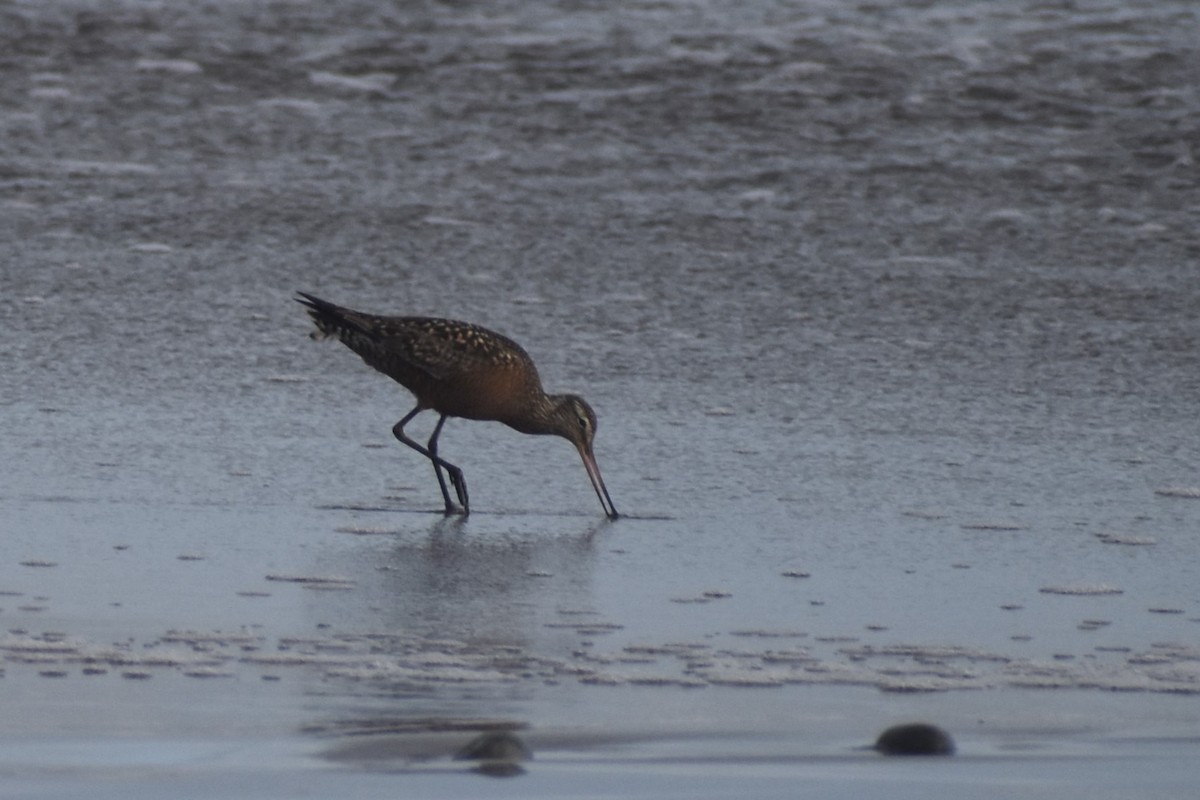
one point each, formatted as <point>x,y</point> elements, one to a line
<point>461,370</point>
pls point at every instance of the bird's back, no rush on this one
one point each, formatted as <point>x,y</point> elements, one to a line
<point>453,367</point>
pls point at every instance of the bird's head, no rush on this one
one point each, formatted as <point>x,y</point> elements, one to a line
<point>574,420</point>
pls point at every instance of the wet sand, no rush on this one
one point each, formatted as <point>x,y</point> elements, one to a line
<point>888,315</point>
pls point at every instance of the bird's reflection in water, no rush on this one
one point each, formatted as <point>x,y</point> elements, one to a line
<point>466,581</point>
<point>457,619</point>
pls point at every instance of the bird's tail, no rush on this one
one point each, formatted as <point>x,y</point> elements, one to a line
<point>333,320</point>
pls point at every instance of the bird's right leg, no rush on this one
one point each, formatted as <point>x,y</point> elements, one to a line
<point>456,476</point>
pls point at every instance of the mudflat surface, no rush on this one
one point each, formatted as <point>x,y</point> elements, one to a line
<point>889,314</point>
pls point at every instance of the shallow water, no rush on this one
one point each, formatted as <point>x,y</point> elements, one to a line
<point>888,313</point>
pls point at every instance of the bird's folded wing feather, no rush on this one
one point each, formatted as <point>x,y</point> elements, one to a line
<point>443,349</point>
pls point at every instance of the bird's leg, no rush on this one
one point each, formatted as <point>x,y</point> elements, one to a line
<point>456,474</point>
<point>460,487</point>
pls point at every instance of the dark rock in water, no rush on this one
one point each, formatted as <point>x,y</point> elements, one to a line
<point>499,769</point>
<point>915,739</point>
<point>495,746</point>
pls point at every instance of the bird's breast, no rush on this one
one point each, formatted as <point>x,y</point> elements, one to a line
<point>493,393</point>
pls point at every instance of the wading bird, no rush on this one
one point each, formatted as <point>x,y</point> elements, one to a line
<point>461,370</point>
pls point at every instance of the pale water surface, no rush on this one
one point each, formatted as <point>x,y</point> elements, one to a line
<point>889,313</point>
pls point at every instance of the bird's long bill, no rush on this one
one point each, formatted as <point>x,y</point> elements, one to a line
<point>593,471</point>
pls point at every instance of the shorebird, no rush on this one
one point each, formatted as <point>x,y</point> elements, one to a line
<point>461,370</point>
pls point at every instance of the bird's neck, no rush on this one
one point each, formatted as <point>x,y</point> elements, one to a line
<point>540,417</point>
